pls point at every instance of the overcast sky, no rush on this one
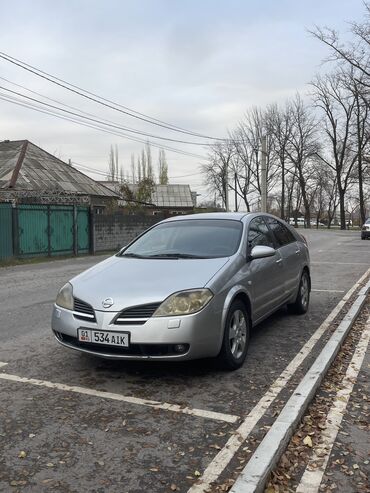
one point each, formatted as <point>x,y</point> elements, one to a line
<point>195,64</point>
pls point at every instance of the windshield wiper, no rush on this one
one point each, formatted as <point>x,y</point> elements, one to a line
<point>132,255</point>
<point>175,255</point>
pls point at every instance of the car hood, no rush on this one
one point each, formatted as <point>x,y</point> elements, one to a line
<point>130,281</point>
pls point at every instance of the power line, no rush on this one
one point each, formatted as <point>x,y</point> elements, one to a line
<point>102,101</point>
<point>101,122</point>
<point>95,170</point>
<point>129,129</point>
<point>24,104</point>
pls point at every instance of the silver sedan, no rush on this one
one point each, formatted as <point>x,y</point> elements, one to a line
<point>189,287</point>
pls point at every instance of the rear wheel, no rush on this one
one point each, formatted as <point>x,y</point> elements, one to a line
<point>300,306</point>
<point>236,337</point>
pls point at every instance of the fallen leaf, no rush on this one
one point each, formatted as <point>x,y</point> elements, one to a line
<point>22,454</point>
<point>307,441</point>
<point>197,473</point>
<point>17,483</point>
<point>173,487</point>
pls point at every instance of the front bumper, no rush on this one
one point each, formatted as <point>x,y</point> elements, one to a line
<point>200,333</point>
<point>365,233</point>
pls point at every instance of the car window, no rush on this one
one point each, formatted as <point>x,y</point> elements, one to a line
<point>259,234</point>
<point>282,234</point>
<point>191,237</point>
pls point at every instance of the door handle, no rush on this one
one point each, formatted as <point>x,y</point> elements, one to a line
<point>297,252</point>
<point>280,260</point>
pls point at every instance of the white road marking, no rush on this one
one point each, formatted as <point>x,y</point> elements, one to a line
<point>312,477</point>
<point>224,456</point>
<point>2,364</point>
<point>229,418</point>
<point>327,291</point>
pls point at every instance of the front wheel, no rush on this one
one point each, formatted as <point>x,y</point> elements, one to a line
<point>300,306</point>
<point>236,337</point>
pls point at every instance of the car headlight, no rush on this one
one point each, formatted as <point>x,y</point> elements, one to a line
<point>184,303</point>
<point>65,297</point>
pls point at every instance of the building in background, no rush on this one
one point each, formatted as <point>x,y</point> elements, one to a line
<point>29,174</point>
<point>166,200</point>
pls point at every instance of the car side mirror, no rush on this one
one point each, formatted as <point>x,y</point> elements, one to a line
<point>261,251</point>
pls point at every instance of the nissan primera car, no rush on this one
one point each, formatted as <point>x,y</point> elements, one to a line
<point>189,287</point>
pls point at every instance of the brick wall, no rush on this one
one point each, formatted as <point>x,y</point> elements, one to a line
<point>113,231</point>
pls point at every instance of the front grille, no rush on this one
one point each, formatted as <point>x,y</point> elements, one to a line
<point>83,311</point>
<point>136,315</point>
<point>132,350</point>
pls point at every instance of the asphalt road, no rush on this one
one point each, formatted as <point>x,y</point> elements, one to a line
<point>74,442</point>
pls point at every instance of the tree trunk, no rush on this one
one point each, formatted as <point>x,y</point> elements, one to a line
<point>342,210</point>
<point>282,206</point>
<point>361,190</point>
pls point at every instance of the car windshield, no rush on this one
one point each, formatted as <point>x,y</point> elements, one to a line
<point>189,238</point>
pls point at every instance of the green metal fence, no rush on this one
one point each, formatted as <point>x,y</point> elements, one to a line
<point>30,230</point>
<point>6,236</point>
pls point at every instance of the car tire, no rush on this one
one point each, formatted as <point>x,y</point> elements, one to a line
<point>236,337</point>
<point>300,306</point>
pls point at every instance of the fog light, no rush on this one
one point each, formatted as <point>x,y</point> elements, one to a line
<point>180,348</point>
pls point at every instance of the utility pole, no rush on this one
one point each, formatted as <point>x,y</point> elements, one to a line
<point>236,195</point>
<point>264,175</point>
<point>227,191</point>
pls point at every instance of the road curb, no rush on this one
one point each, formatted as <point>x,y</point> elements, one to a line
<point>254,476</point>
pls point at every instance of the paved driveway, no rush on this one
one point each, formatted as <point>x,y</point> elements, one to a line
<point>75,423</point>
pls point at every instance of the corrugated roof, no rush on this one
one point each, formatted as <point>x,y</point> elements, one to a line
<point>40,171</point>
<point>163,195</point>
<point>172,196</point>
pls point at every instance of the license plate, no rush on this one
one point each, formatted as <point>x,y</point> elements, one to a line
<point>104,337</point>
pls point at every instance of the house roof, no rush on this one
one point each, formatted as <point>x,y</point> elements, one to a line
<point>172,196</point>
<point>169,196</point>
<point>25,166</point>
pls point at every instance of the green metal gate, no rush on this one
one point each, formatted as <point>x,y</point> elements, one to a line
<point>83,230</point>
<point>6,231</point>
<point>52,230</point>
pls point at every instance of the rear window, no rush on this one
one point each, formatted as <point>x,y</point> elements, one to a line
<point>193,237</point>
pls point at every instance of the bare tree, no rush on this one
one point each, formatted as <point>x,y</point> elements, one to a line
<point>149,163</point>
<point>162,168</point>
<point>113,164</point>
<point>337,106</point>
<point>279,127</point>
<point>302,148</point>
<point>355,53</point>
<point>246,162</point>
<point>216,170</point>
<point>362,131</point>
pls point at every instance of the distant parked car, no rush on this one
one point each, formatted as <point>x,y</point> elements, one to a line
<point>189,287</point>
<point>365,231</point>
<point>300,221</point>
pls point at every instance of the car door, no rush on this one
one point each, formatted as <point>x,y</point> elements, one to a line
<point>265,276</point>
<point>290,253</point>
